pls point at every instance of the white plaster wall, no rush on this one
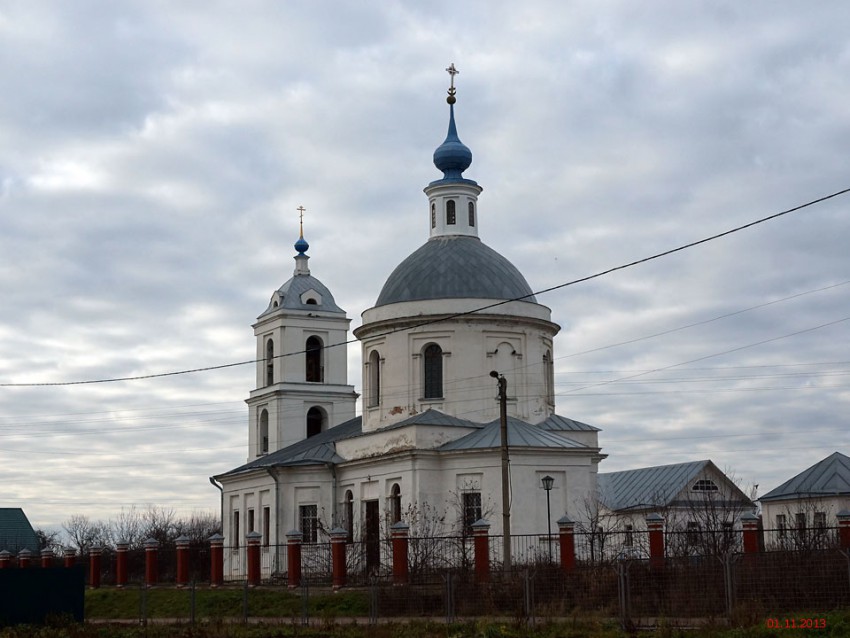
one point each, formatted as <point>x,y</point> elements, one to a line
<point>830,505</point>
<point>472,347</point>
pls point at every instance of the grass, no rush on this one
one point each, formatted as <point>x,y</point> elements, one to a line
<point>113,604</point>
<point>837,625</point>
<point>219,614</point>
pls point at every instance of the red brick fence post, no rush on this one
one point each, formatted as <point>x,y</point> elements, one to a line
<point>151,562</point>
<point>24,558</point>
<point>481,540</point>
<point>293,558</point>
<point>400,533</point>
<point>182,544</point>
<point>655,527</point>
<point>216,560</point>
<point>69,554</point>
<point>94,566</point>
<point>5,559</point>
<point>121,549</point>
<point>340,575</point>
<point>252,552</point>
<point>47,557</point>
<point>567,543</point>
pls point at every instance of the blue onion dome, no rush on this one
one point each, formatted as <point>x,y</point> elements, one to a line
<point>452,156</point>
<point>301,245</point>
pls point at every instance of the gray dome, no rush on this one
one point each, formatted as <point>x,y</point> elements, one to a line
<point>454,267</point>
<point>288,296</point>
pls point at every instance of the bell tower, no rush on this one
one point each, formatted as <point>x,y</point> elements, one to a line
<point>301,372</point>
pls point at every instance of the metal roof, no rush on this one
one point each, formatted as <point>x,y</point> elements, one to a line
<point>16,533</point>
<point>316,449</point>
<point>428,417</point>
<point>557,423</point>
<point>520,434</point>
<point>454,267</point>
<point>828,477</point>
<point>647,486</point>
<point>291,292</point>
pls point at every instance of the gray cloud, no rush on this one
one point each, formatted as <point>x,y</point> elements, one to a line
<point>152,157</point>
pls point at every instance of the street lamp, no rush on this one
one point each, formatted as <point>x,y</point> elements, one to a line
<point>548,482</point>
<point>506,480</point>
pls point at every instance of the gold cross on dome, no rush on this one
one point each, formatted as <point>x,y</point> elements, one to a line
<point>301,211</point>
<point>452,71</point>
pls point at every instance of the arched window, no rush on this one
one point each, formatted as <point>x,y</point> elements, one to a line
<point>263,432</point>
<point>450,212</point>
<point>433,215</point>
<point>315,370</point>
<point>269,362</point>
<point>549,377</point>
<point>374,379</point>
<point>348,512</point>
<point>395,504</point>
<point>432,372</point>
<point>315,421</point>
<point>471,215</point>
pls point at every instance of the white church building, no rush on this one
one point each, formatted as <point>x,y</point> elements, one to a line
<point>426,448</point>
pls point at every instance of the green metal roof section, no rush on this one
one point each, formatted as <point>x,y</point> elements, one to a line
<point>647,487</point>
<point>520,434</point>
<point>557,423</point>
<point>829,477</point>
<point>16,533</point>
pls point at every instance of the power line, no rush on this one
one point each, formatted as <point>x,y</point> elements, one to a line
<point>451,316</point>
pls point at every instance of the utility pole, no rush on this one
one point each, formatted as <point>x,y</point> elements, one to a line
<point>506,478</point>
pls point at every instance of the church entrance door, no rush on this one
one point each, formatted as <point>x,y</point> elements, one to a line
<point>373,536</point>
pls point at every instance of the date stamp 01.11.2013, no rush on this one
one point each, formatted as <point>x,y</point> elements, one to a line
<point>795,623</point>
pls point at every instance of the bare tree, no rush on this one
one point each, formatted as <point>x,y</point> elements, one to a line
<point>85,533</point>
<point>198,527</point>
<point>49,539</point>
<point>127,527</point>
<point>159,523</point>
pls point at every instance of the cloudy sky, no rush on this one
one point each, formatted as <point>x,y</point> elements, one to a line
<point>153,155</point>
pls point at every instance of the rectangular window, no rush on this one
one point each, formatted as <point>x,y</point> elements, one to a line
<point>728,534</point>
<point>781,525</point>
<point>235,542</point>
<point>349,520</point>
<point>250,521</point>
<point>309,517</point>
<point>629,538</point>
<point>800,522</point>
<point>471,510</point>
<point>820,521</point>
<point>692,532</point>
<point>266,526</point>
